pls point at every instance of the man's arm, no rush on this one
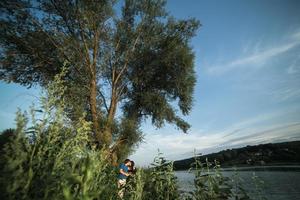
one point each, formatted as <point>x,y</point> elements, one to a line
<point>124,173</point>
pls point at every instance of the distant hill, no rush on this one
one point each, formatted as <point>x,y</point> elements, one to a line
<point>286,153</point>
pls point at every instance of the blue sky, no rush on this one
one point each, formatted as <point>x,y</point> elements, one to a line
<point>248,78</point>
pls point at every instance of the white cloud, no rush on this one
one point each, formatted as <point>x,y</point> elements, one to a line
<point>248,132</point>
<point>257,58</point>
<point>296,35</point>
<point>268,134</point>
<point>292,69</point>
<point>286,94</point>
<point>295,66</point>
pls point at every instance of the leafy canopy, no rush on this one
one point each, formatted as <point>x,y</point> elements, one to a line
<point>136,61</point>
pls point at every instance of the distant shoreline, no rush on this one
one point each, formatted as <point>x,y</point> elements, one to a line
<point>292,167</point>
<point>285,155</point>
<point>257,168</point>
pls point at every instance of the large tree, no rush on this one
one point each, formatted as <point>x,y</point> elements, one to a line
<point>129,59</point>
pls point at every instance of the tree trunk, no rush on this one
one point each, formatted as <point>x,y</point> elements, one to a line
<point>93,107</point>
<point>107,134</point>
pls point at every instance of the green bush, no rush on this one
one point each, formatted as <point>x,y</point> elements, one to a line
<point>209,182</point>
<point>161,180</point>
<point>53,159</point>
<point>238,191</point>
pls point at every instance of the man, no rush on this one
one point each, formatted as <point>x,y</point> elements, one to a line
<point>123,174</point>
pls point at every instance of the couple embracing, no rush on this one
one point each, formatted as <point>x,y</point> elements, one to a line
<point>126,169</point>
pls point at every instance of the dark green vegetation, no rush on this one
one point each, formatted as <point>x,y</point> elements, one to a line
<point>286,153</point>
<point>135,62</point>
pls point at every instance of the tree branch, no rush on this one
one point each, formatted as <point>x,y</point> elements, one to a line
<point>117,143</point>
<point>104,100</point>
<point>126,61</point>
<point>51,39</point>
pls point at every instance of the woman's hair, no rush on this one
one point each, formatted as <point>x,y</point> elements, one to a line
<point>126,161</point>
<point>132,163</point>
<point>132,168</point>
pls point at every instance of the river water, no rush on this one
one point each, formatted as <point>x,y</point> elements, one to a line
<point>280,183</point>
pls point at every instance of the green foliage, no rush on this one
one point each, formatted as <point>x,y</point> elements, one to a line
<point>16,157</point>
<point>135,186</point>
<point>53,159</point>
<point>6,137</point>
<point>139,62</point>
<point>128,134</point>
<point>238,190</point>
<point>259,187</point>
<point>59,164</point>
<point>209,182</point>
<point>161,181</point>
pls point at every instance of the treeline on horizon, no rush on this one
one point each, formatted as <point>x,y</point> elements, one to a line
<point>258,155</point>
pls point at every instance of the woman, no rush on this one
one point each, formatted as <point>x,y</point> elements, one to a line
<point>132,168</point>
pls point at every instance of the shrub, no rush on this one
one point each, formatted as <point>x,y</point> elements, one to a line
<point>161,180</point>
<point>209,182</point>
<point>53,159</point>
